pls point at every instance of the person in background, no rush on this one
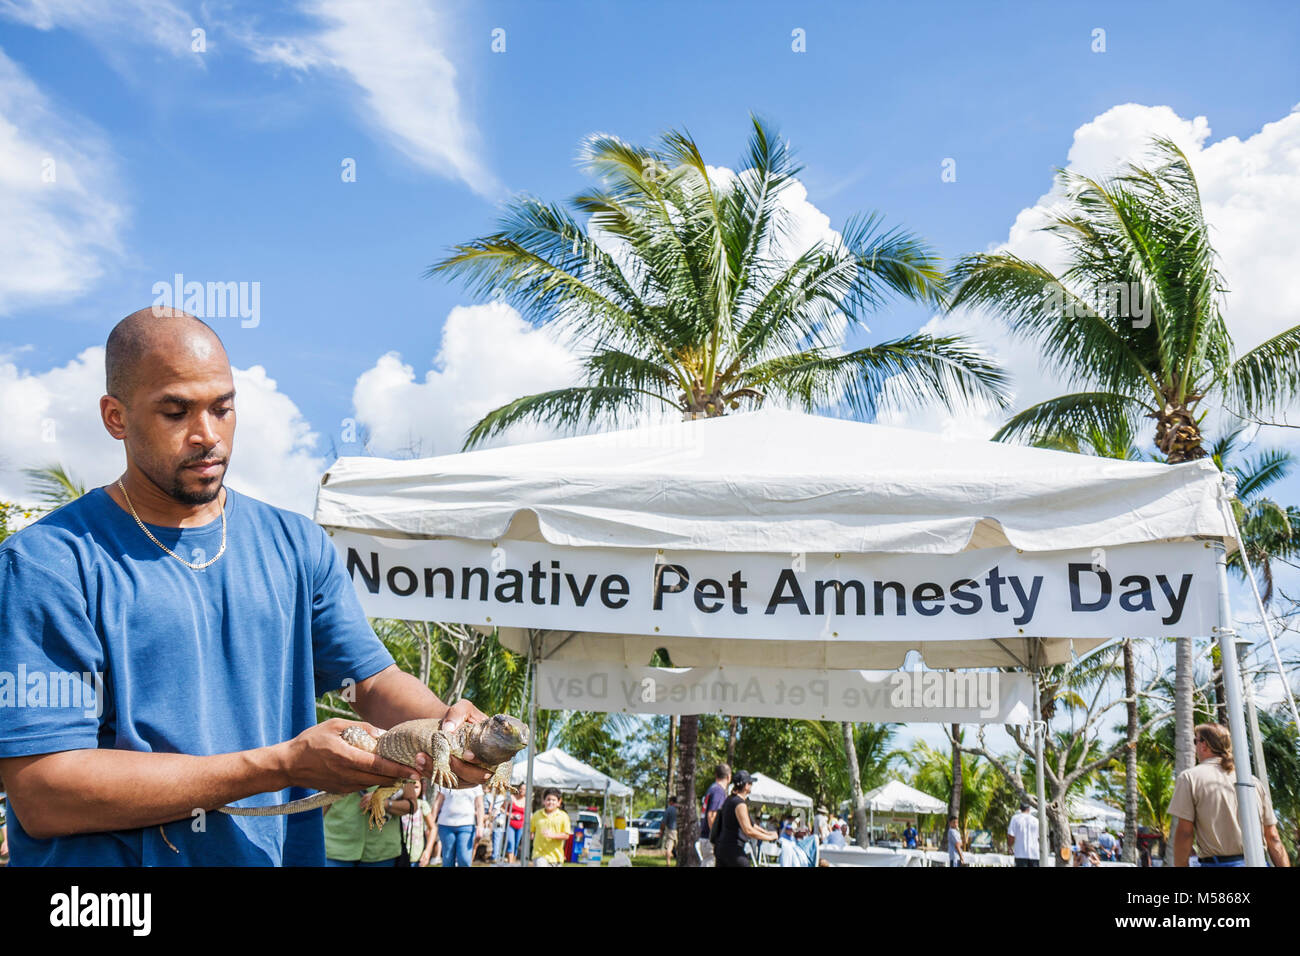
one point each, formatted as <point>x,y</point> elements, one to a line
<point>349,838</point>
<point>909,836</point>
<point>1087,856</point>
<point>668,830</point>
<point>736,826</point>
<point>714,798</point>
<point>417,827</point>
<point>820,824</point>
<point>496,816</point>
<point>1106,846</point>
<point>550,828</point>
<point>459,815</point>
<point>836,836</point>
<point>518,812</point>
<point>955,855</point>
<point>1022,834</point>
<point>1205,803</point>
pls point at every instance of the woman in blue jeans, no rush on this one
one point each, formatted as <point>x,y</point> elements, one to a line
<point>459,815</point>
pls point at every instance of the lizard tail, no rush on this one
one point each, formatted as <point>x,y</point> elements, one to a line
<point>321,799</point>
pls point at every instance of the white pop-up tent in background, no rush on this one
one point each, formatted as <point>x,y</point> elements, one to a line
<point>784,543</point>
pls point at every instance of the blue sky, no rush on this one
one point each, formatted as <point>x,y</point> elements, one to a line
<point>225,165</point>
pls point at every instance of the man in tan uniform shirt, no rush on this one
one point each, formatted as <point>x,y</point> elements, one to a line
<point>1205,805</point>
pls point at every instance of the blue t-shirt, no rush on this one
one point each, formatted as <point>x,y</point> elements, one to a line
<point>714,798</point>
<point>196,662</point>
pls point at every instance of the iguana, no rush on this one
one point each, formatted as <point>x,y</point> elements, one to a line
<point>493,742</point>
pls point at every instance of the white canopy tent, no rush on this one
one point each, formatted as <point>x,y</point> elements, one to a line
<point>774,793</point>
<point>563,771</point>
<point>1095,813</point>
<point>897,797</point>
<point>598,544</point>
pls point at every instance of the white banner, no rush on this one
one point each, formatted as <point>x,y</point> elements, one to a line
<point>1140,590</point>
<point>944,697</point>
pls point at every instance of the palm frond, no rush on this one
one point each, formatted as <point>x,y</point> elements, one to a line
<point>561,408</point>
<point>1267,378</point>
<point>1079,415</point>
<point>901,373</point>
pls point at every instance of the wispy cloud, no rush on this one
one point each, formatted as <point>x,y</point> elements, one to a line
<point>59,193</point>
<point>158,23</point>
<point>393,51</point>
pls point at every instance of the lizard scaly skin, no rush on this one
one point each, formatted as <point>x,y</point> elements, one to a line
<point>493,742</point>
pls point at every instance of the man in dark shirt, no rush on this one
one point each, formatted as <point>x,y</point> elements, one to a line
<point>714,798</point>
<point>668,831</point>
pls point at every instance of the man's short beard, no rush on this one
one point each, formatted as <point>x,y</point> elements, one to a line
<point>203,497</point>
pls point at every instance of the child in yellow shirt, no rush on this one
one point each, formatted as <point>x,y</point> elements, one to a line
<point>550,828</point>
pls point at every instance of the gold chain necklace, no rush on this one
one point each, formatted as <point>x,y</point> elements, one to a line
<point>189,564</point>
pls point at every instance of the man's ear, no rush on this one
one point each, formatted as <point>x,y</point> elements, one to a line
<point>113,414</point>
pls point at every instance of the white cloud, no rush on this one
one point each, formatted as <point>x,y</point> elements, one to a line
<point>489,355</point>
<point>52,417</point>
<point>1250,191</point>
<point>394,52</point>
<point>158,22</point>
<point>62,212</point>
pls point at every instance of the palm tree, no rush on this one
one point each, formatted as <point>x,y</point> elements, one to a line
<point>975,782</point>
<point>1269,531</point>
<point>680,296</point>
<point>1136,322</point>
<point>54,485</point>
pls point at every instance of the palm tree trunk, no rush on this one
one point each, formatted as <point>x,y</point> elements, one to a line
<point>954,798</point>
<point>1177,434</point>
<point>1220,695</point>
<point>855,787</point>
<point>687,811</point>
<point>1184,749</point>
<point>1130,757</point>
<point>672,743</point>
<point>1059,825</point>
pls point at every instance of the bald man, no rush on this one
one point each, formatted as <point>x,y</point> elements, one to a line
<point>172,636</point>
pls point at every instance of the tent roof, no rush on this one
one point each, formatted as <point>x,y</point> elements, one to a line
<point>1084,809</point>
<point>767,790</point>
<point>555,768</point>
<point>776,481</point>
<point>897,797</point>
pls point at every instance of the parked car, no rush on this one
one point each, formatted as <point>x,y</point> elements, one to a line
<point>648,827</point>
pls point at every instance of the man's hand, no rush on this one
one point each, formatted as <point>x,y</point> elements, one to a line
<point>318,758</point>
<point>461,712</point>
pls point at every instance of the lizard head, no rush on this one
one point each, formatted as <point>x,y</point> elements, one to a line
<point>499,738</point>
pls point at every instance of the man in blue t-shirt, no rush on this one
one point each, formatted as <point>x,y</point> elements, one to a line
<point>165,639</point>
<point>714,798</point>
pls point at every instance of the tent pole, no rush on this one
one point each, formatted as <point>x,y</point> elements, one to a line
<point>1040,784</point>
<point>1252,721</point>
<point>526,837</point>
<point>1252,836</point>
